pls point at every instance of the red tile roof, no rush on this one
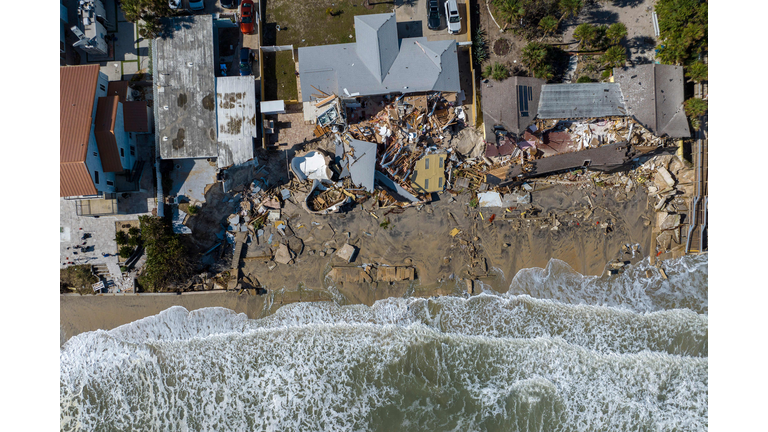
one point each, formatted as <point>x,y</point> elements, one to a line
<point>77,88</point>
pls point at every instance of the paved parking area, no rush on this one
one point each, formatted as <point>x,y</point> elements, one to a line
<point>411,18</point>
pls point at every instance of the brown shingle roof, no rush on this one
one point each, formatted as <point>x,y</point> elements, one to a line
<point>118,88</point>
<point>106,116</point>
<point>135,116</point>
<point>77,88</point>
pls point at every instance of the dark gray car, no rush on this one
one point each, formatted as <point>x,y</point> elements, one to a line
<point>433,15</point>
<point>229,4</point>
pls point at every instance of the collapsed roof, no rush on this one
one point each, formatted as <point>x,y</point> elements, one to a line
<point>379,63</point>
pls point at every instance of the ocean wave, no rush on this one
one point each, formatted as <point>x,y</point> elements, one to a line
<point>371,377</point>
<point>684,288</point>
<point>559,352</point>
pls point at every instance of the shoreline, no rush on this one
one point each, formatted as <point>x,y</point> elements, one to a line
<point>418,238</point>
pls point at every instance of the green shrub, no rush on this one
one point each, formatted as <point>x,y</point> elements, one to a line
<point>584,79</point>
<point>121,238</point>
<point>496,71</point>
<point>125,252</point>
<point>192,209</point>
<point>473,202</point>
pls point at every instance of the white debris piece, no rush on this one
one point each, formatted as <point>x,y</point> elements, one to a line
<point>489,199</point>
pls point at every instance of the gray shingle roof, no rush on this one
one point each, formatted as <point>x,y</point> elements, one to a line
<point>406,66</point>
<point>566,101</point>
<point>654,97</point>
<point>512,103</point>
<point>376,42</point>
<point>185,84</point>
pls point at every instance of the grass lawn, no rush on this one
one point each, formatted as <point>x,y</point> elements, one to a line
<point>306,22</point>
<point>279,76</point>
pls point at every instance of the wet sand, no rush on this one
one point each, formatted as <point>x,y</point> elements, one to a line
<point>416,237</point>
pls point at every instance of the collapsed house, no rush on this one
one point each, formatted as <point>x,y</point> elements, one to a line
<point>651,95</point>
<point>526,118</point>
<point>387,102</point>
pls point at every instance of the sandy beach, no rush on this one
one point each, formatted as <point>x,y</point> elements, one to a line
<point>419,238</point>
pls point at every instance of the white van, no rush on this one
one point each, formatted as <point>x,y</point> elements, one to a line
<point>452,17</point>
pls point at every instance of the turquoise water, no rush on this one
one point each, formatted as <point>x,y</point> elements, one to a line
<point>558,352</point>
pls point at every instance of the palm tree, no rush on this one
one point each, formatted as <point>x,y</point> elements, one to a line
<point>496,71</point>
<point>616,32</point>
<point>695,107</point>
<point>697,72</point>
<point>548,24</point>
<point>509,10</point>
<point>614,56</point>
<point>534,55</point>
<point>544,72</point>
<point>586,34</point>
<point>569,8</point>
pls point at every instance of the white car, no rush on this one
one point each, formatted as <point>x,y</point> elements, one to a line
<point>196,4</point>
<point>174,4</point>
<point>452,17</point>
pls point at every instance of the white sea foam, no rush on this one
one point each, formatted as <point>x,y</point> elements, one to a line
<point>630,359</point>
<point>686,286</point>
<point>339,377</point>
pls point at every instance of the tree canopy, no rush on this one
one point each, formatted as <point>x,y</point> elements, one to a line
<point>616,32</point>
<point>614,56</point>
<point>697,71</point>
<point>167,263</point>
<point>682,30</point>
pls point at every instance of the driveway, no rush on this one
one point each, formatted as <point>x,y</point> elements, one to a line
<point>411,18</point>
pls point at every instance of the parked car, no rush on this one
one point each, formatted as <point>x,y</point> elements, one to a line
<point>245,61</point>
<point>174,4</point>
<point>433,15</point>
<point>229,4</point>
<point>452,16</point>
<point>246,16</point>
<point>196,5</point>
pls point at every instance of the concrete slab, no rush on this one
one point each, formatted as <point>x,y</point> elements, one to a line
<point>102,230</point>
<point>113,71</point>
<point>411,16</point>
<point>130,68</point>
<point>347,252</point>
<point>190,178</point>
<point>125,45</point>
